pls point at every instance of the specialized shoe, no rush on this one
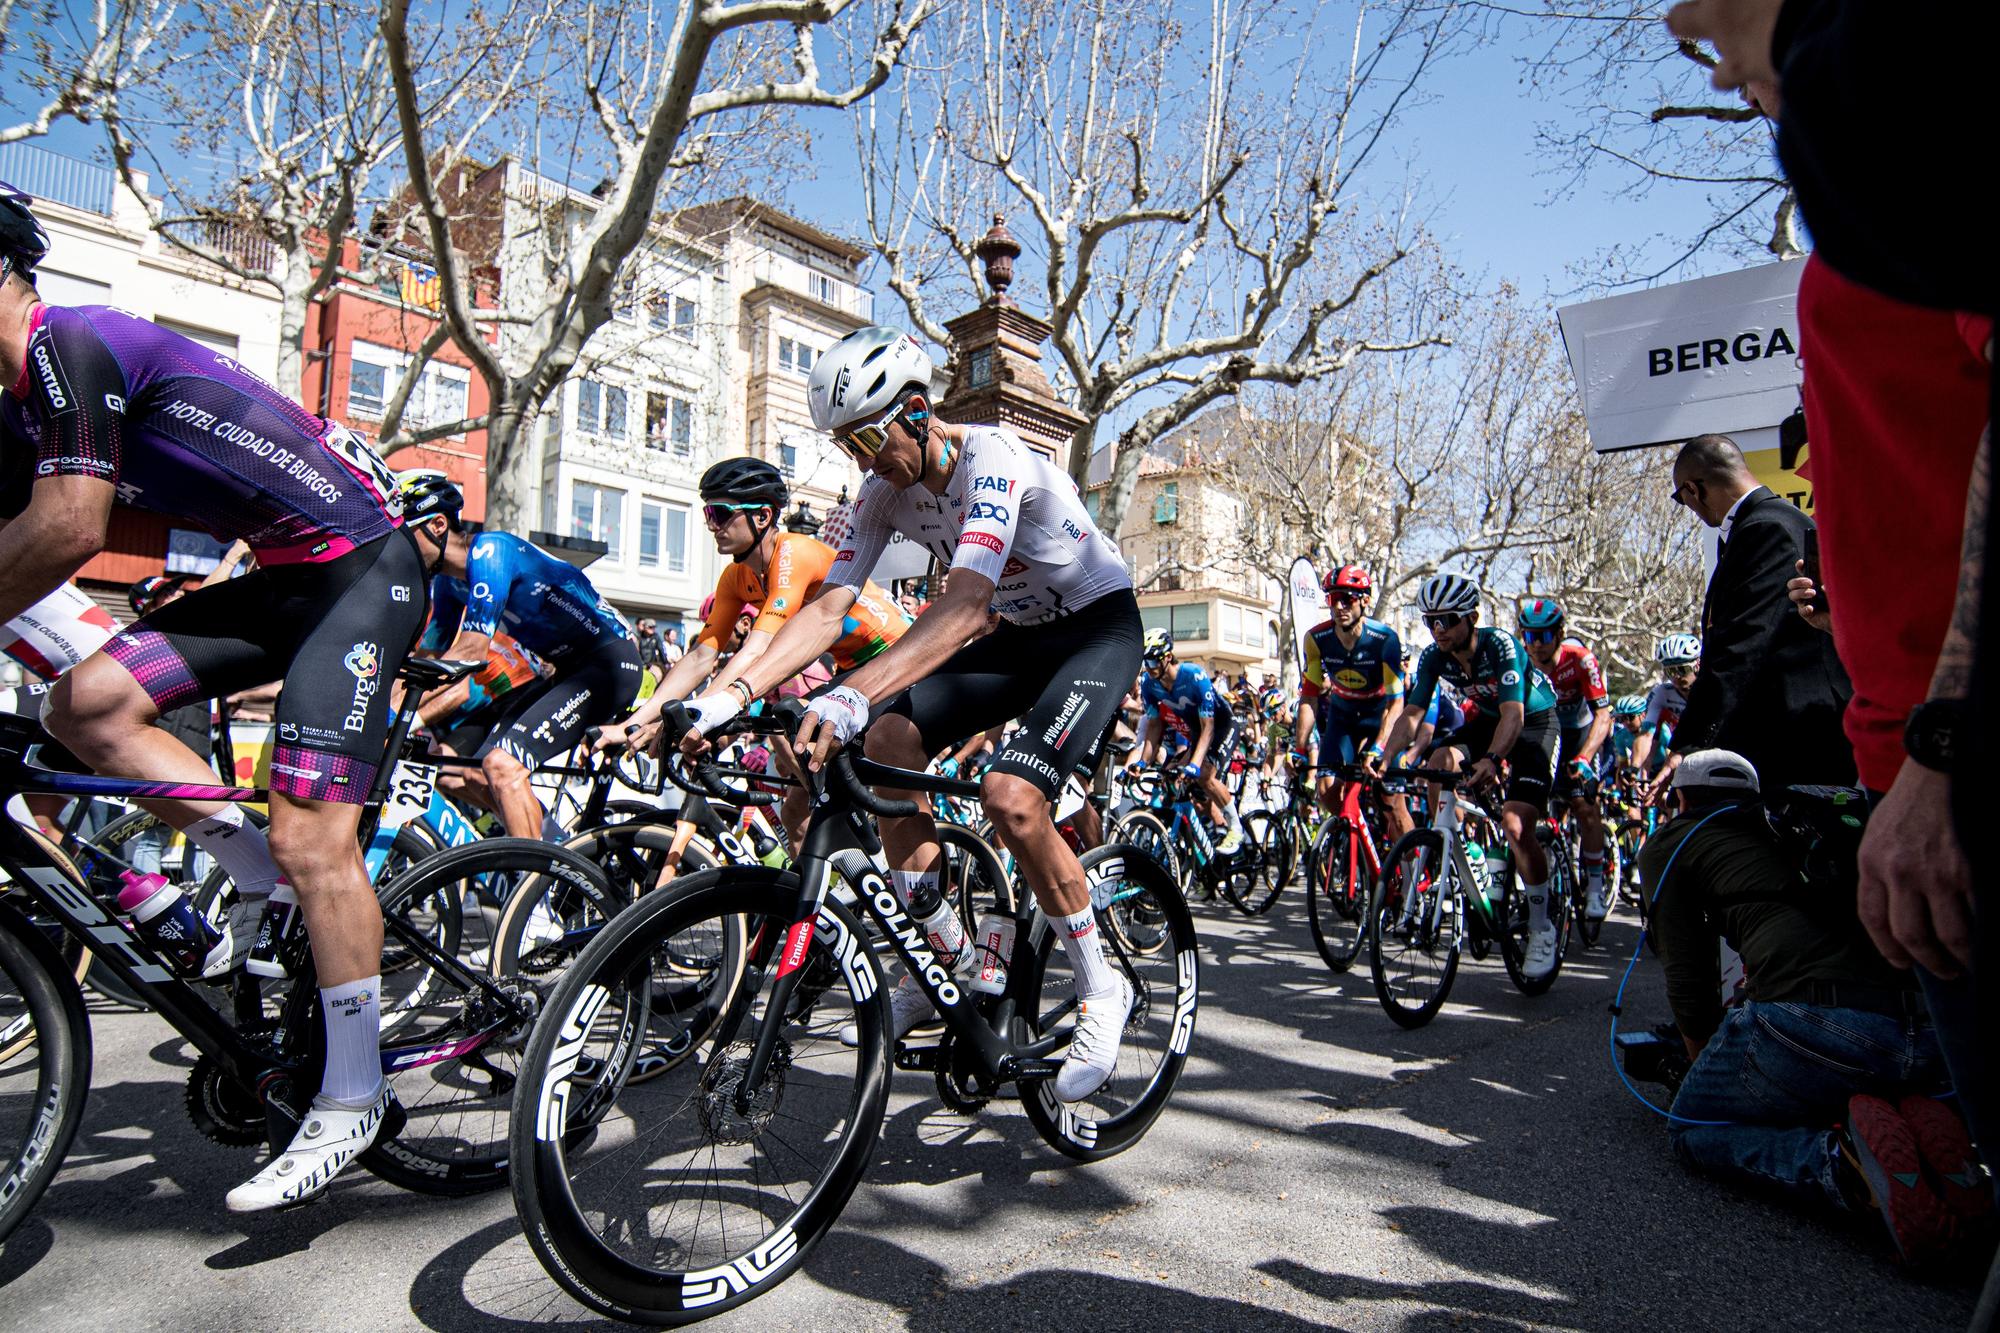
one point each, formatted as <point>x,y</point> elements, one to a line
<point>1946,1147</point>
<point>1539,958</point>
<point>1093,1050</point>
<point>1883,1149</point>
<point>239,926</point>
<point>1599,904</point>
<point>327,1143</point>
<point>909,1007</point>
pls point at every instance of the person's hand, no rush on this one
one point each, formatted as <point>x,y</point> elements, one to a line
<point>1915,894</point>
<point>834,719</point>
<point>1371,761</point>
<point>614,737</point>
<point>1485,772</point>
<point>1805,596</point>
<point>1739,30</point>
<point>1192,772</point>
<point>1663,781</point>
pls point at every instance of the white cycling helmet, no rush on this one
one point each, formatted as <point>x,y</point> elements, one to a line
<point>1678,650</point>
<point>1725,769</point>
<point>1448,592</point>
<point>861,376</point>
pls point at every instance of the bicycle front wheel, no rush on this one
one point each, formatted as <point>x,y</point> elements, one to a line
<point>1341,898</point>
<point>44,1065</point>
<point>1139,902</point>
<point>697,1192</point>
<point>1415,937</point>
<point>1264,865</point>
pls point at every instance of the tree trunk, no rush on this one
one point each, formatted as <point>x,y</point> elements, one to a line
<point>295,279</point>
<point>511,489</point>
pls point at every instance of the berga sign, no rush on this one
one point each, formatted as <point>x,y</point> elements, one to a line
<point>1715,354</point>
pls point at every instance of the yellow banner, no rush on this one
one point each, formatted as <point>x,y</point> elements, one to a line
<point>1769,467</point>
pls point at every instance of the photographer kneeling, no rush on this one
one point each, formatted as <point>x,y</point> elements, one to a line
<point>1819,1079</point>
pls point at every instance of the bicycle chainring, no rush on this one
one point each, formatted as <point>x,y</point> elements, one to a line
<point>224,1110</point>
<point>961,1083</point>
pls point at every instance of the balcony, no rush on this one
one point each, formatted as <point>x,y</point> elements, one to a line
<point>772,270</point>
<point>56,179</point>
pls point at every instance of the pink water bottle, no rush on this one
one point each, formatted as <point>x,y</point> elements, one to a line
<point>166,919</point>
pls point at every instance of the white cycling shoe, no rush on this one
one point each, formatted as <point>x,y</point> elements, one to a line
<point>327,1143</point>
<point>1232,843</point>
<point>909,1008</point>
<point>1093,1050</point>
<point>1539,959</point>
<point>1599,904</point>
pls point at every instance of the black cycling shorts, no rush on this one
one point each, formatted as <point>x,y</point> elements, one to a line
<point>546,718</point>
<point>1222,741</point>
<point>335,632</point>
<point>1530,763</point>
<point>1064,679</point>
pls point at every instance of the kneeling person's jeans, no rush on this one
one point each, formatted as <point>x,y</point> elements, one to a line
<point>1781,1075</point>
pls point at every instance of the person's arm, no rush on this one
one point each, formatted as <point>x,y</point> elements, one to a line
<point>1915,889</point>
<point>812,630</point>
<point>1747,606</point>
<point>1152,727</point>
<point>1201,740</point>
<point>62,528</point>
<point>1513,714</point>
<point>1302,729</point>
<point>226,567</point>
<point>1600,731</point>
<point>1416,702</point>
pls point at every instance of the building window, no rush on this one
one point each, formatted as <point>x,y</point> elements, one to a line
<point>367,389</point>
<point>1167,504</point>
<point>600,410</point>
<point>1187,621</point>
<point>670,424</point>
<point>822,288</point>
<point>795,356</point>
<point>438,397</point>
<point>224,343</point>
<point>670,312</point>
<point>1232,624</point>
<point>788,459</point>
<point>597,512</point>
<point>663,536</point>
<point>677,539</point>
<point>649,535</point>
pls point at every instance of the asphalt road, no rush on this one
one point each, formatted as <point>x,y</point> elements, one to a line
<point>1319,1167</point>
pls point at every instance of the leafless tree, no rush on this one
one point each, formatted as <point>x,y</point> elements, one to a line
<point>1189,178</point>
<point>294,104</point>
<point>62,60</point>
<point>1635,108</point>
<point>659,88</point>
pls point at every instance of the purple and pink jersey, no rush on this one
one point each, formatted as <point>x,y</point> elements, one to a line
<point>183,430</point>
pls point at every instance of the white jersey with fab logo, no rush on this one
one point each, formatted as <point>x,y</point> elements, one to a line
<point>57,632</point>
<point>1009,514</point>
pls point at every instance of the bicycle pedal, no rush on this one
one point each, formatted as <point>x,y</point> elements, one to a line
<point>922,1058</point>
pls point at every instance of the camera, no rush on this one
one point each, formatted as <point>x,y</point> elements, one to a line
<point>1658,1056</point>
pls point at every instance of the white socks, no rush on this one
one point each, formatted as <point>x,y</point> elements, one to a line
<point>353,1043</point>
<point>1538,905</point>
<point>1086,953</point>
<point>239,847</point>
<point>919,891</point>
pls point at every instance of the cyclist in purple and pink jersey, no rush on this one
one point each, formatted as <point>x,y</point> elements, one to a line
<point>101,405</point>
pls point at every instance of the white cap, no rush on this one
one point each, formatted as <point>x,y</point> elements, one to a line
<point>1724,769</point>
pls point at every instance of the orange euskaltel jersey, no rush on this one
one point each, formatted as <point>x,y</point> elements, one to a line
<point>798,566</point>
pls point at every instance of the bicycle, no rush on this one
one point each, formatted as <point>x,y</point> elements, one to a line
<point>446,1029</point>
<point>710,1185</point>
<point>1433,903</point>
<point>1344,867</point>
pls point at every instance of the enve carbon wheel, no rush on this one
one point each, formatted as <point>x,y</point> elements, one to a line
<point>1341,896</point>
<point>1166,992</point>
<point>44,1065</point>
<point>696,1194</point>
<point>1414,961</point>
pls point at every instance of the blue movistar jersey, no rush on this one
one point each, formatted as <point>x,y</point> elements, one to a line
<point>1501,672</point>
<point>544,604</point>
<point>1188,699</point>
<point>185,431</point>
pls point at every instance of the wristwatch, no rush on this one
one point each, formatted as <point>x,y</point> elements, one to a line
<point>1931,736</point>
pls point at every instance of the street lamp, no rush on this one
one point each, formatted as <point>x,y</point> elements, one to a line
<point>802,519</point>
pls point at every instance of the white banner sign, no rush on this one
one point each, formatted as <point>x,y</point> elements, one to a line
<point>1309,607</point>
<point>1715,355</point>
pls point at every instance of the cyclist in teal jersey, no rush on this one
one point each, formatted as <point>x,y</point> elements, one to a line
<point>1515,723</point>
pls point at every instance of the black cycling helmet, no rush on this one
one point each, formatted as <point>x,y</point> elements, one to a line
<point>23,243</point>
<point>745,481</point>
<point>426,493</point>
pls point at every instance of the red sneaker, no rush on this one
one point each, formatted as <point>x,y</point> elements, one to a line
<point>1946,1147</point>
<point>1884,1150</point>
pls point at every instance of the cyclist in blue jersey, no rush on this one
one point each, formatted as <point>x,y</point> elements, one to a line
<point>106,406</point>
<point>1515,724</point>
<point>493,581</point>
<point>1351,691</point>
<point>1182,692</point>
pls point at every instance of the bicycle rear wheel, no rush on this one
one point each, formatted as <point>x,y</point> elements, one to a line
<point>1514,941</point>
<point>1341,896</point>
<point>1148,832</point>
<point>1265,864</point>
<point>1414,939</point>
<point>44,1064</point>
<point>693,1195</point>
<point>1165,994</point>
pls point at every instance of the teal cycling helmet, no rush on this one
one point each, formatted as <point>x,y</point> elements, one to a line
<point>1542,613</point>
<point>1629,705</point>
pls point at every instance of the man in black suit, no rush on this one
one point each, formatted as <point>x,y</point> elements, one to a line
<point>1770,687</point>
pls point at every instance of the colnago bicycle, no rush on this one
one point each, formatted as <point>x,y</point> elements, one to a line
<point>1434,901</point>
<point>672,1200</point>
<point>450,1034</point>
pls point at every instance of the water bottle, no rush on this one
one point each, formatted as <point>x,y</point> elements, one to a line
<point>166,919</point>
<point>940,925</point>
<point>275,933</point>
<point>1482,873</point>
<point>992,946</point>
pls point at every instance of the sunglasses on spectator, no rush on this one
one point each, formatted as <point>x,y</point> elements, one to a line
<point>1680,486</point>
<point>1540,635</point>
<point>1440,623</point>
<point>718,515</point>
<point>861,443</point>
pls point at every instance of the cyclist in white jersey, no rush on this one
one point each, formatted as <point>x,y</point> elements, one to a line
<point>1018,542</point>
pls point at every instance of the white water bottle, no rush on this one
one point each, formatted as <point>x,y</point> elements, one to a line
<point>992,946</point>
